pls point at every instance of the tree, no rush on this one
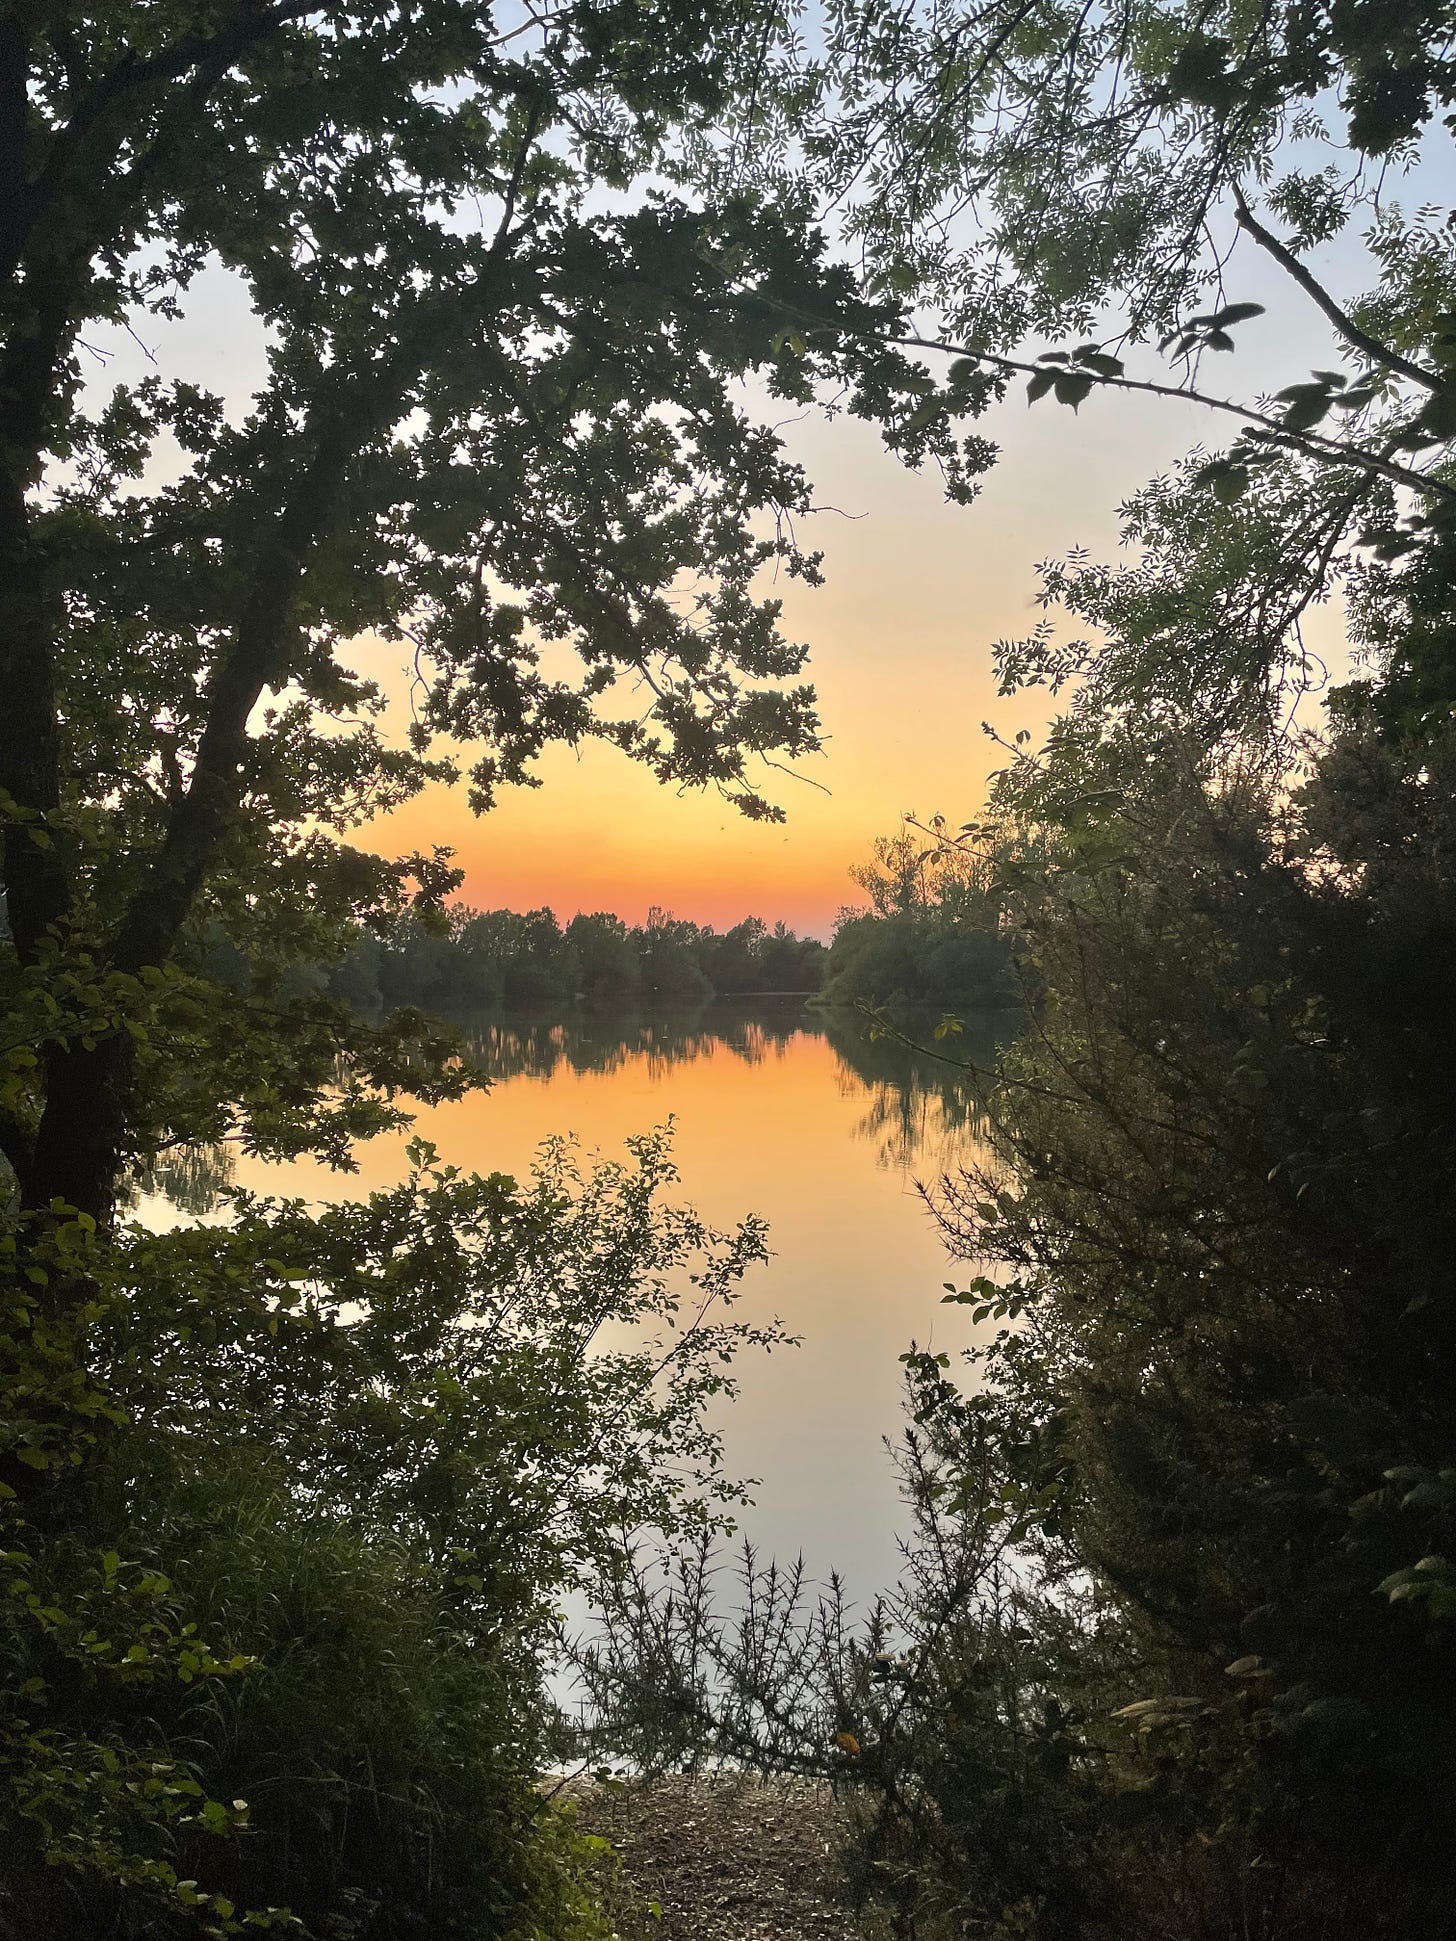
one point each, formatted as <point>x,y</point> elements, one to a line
<point>1063,188</point>
<point>1219,1217</point>
<point>279,1663</point>
<point>1216,1412</point>
<point>498,414</point>
<point>933,932</point>
<point>607,962</point>
<point>667,949</point>
<point>790,963</point>
<point>732,960</point>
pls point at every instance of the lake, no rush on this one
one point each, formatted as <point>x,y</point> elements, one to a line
<point>805,1120</point>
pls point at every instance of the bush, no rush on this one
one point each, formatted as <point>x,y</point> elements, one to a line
<point>285,1666</point>
<point>382,1749</point>
<point>919,958</point>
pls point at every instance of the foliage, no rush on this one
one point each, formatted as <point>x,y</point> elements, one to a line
<point>286,1647</point>
<point>932,933</point>
<point>501,345</point>
<point>500,342</point>
<point>1220,1226</point>
<point>1088,199</point>
<point>485,959</point>
<point>1090,146</point>
<point>1216,1223</point>
<point>1215,1227</point>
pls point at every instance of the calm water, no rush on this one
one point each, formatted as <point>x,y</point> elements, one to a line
<point>805,1122</point>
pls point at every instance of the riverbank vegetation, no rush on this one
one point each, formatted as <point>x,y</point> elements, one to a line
<point>932,933</point>
<point>477,960</point>
<point>1173,1651</point>
<point>291,1502</point>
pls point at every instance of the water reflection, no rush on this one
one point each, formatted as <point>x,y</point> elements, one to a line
<point>802,1118</point>
<point>540,1045</point>
<point>189,1178</point>
<point>922,1103</point>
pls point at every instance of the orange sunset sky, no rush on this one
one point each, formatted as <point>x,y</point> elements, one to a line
<point>901,639</point>
<point>900,635</point>
<point>917,592</point>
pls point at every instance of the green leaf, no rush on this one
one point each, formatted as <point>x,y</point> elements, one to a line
<point>1438,414</point>
<point>1071,389</point>
<point>1305,405</point>
<point>1235,313</point>
<point>1230,485</point>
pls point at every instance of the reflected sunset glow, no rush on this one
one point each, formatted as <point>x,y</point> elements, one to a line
<point>811,1127</point>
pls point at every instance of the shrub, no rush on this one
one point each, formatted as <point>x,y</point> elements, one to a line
<point>280,1640</point>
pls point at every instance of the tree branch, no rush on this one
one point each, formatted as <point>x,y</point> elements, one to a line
<point>255,660</point>
<point>80,1142</point>
<point>28,202</point>
<point>14,109</point>
<point>38,892</point>
<point>535,115</point>
<point>1362,341</point>
<point>1327,451</point>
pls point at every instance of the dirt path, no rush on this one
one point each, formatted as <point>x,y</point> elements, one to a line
<point>726,1859</point>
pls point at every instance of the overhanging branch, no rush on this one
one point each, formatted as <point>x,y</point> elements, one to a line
<point>1327,451</point>
<point>1369,346</point>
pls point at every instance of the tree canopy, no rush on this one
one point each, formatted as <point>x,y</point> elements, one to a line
<point>931,935</point>
<point>1184,1623</point>
<point>501,421</point>
<point>1092,198</point>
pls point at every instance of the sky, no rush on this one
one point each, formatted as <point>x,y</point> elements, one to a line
<point>917,591</point>
<point>901,637</point>
<point>901,642</point>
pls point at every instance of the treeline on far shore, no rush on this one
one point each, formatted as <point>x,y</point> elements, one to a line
<point>487,958</point>
<point>476,960</point>
<point>930,934</point>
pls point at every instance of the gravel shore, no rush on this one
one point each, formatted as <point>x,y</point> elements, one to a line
<point>727,1858</point>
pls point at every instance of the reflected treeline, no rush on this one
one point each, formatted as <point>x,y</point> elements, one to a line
<point>538,1045</point>
<point>188,1177</point>
<point>923,1102</point>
